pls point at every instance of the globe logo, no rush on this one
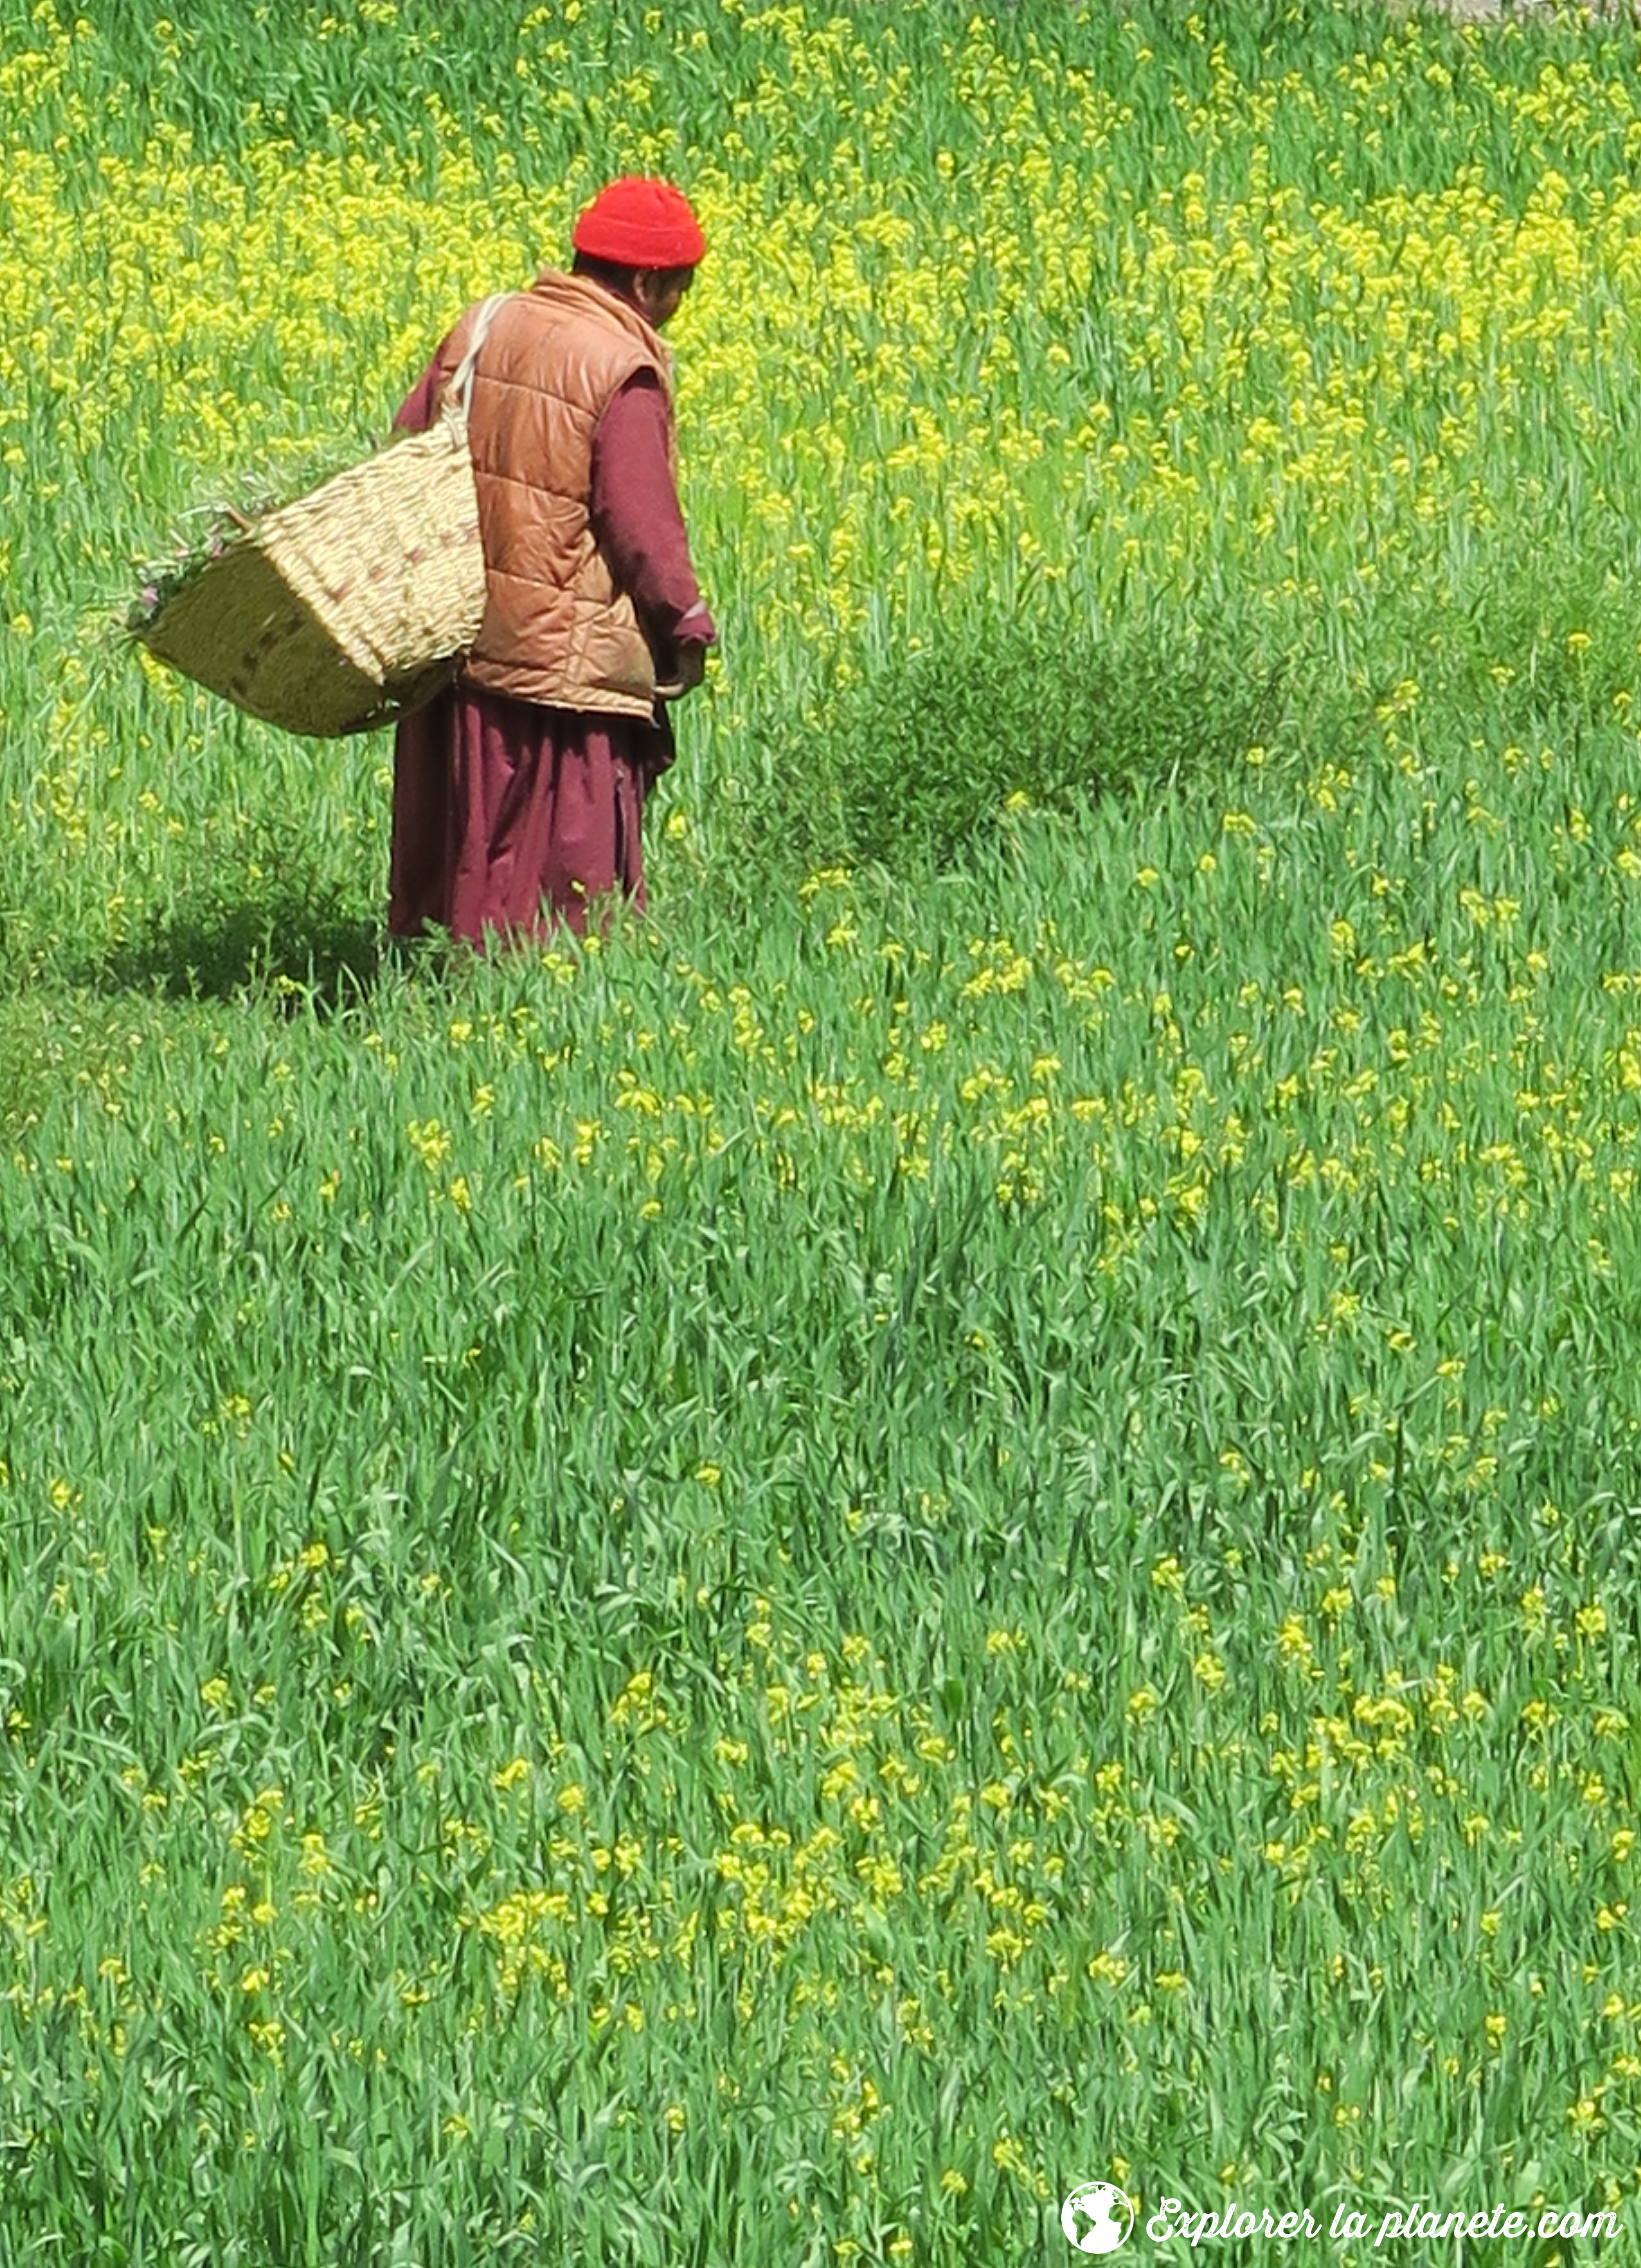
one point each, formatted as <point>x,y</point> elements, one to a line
<point>1096,2217</point>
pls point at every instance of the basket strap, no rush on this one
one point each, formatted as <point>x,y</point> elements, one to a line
<point>461,384</point>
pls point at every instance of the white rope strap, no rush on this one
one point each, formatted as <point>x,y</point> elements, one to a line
<point>461,384</point>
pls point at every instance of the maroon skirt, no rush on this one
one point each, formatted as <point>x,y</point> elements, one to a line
<point>509,817</point>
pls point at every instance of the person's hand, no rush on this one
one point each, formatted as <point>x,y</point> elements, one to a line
<point>692,668</point>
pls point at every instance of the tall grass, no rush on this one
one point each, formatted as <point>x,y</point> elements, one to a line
<point>956,1515</point>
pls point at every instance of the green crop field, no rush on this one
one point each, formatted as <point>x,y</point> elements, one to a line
<point>959,1514</point>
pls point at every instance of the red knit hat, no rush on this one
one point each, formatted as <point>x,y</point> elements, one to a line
<point>639,223</point>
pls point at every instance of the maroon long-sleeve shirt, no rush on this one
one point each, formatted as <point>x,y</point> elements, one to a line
<point>635,510</point>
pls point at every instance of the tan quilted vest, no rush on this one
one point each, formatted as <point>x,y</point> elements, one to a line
<point>556,630</point>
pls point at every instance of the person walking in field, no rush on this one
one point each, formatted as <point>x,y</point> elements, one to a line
<point>518,793</point>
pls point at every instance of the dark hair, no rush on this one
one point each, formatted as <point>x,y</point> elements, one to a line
<point>616,277</point>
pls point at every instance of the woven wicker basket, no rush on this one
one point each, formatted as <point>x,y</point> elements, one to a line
<point>353,604</point>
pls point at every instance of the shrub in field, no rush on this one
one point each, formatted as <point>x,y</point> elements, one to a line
<point>913,764</point>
